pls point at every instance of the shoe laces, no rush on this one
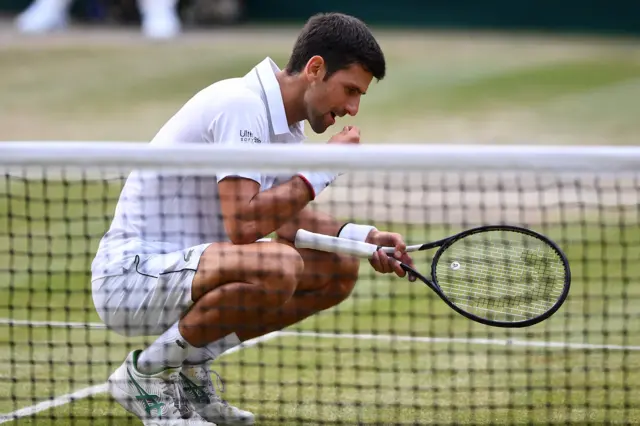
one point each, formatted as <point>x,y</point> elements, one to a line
<point>181,404</point>
<point>220,386</point>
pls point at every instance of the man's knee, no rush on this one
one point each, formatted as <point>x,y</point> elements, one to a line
<point>341,267</point>
<point>350,267</point>
<point>340,283</point>
<point>275,268</point>
<point>282,270</point>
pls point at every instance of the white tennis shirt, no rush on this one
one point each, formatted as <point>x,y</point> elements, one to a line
<point>160,212</point>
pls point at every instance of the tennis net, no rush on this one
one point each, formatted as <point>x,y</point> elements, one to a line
<point>392,352</point>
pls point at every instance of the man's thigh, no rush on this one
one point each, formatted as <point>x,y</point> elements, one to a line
<point>151,295</point>
<point>322,268</point>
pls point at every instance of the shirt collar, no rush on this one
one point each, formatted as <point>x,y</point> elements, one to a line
<point>266,73</point>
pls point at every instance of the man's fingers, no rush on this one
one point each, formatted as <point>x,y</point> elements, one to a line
<point>406,259</point>
<point>389,263</point>
<point>397,268</point>
<point>375,261</point>
<point>393,265</point>
<point>379,262</point>
<point>385,262</point>
<point>399,245</point>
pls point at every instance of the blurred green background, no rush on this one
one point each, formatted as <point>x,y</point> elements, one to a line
<point>455,73</point>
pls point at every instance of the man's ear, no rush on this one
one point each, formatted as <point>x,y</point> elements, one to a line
<point>315,70</point>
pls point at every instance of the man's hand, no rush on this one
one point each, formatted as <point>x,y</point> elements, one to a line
<point>385,263</point>
<point>348,136</point>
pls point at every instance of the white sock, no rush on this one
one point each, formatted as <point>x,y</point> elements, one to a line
<point>212,350</point>
<point>168,351</point>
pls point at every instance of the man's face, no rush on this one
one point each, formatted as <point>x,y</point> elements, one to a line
<point>337,96</point>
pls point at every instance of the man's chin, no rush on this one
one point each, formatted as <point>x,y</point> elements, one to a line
<point>319,128</point>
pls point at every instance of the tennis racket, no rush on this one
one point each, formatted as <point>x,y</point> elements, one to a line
<point>501,276</point>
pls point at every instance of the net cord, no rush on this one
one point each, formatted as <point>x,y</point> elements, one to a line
<point>320,156</point>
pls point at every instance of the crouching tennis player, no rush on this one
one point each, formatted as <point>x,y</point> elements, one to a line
<point>185,258</point>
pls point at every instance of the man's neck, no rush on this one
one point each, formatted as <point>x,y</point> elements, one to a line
<point>292,97</point>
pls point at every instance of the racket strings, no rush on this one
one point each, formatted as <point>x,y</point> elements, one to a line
<point>504,277</point>
<point>501,276</point>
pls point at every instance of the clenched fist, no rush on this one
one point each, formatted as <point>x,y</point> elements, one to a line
<point>348,136</point>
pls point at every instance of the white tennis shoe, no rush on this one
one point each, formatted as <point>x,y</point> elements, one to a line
<point>156,399</point>
<point>199,389</point>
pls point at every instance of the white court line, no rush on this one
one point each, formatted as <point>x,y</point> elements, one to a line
<point>94,390</point>
<point>383,337</point>
<point>465,340</point>
<point>61,400</point>
<point>52,324</point>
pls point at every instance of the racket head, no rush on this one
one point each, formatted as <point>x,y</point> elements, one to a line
<point>502,276</point>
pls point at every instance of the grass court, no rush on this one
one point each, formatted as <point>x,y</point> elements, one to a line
<point>393,352</point>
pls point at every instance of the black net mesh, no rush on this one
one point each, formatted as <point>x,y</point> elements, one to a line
<point>387,351</point>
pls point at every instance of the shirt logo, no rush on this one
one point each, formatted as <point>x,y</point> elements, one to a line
<point>247,136</point>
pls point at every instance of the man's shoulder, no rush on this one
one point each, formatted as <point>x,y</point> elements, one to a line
<point>233,95</point>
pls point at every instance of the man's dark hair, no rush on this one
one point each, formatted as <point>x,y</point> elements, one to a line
<point>342,41</point>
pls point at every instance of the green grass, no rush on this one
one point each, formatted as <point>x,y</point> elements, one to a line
<point>439,88</point>
<point>48,238</point>
<point>533,85</point>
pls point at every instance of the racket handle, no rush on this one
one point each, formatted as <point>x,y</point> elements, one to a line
<point>311,240</point>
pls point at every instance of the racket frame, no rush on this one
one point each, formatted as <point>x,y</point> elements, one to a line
<point>445,243</point>
<point>360,249</point>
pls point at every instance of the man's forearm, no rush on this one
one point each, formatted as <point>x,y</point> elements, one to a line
<point>268,211</point>
<point>311,220</point>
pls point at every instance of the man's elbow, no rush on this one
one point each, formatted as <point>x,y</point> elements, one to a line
<point>286,232</point>
<point>243,233</point>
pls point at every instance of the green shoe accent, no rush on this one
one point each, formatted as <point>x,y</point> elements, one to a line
<point>151,402</point>
<point>135,356</point>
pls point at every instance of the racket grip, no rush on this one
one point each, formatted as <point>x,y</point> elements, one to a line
<point>311,240</point>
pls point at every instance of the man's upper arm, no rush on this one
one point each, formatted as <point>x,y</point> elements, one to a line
<point>241,121</point>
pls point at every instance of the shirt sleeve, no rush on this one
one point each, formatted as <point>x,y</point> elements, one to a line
<point>241,121</point>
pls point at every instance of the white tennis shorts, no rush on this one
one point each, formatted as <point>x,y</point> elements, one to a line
<point>151,295</point>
